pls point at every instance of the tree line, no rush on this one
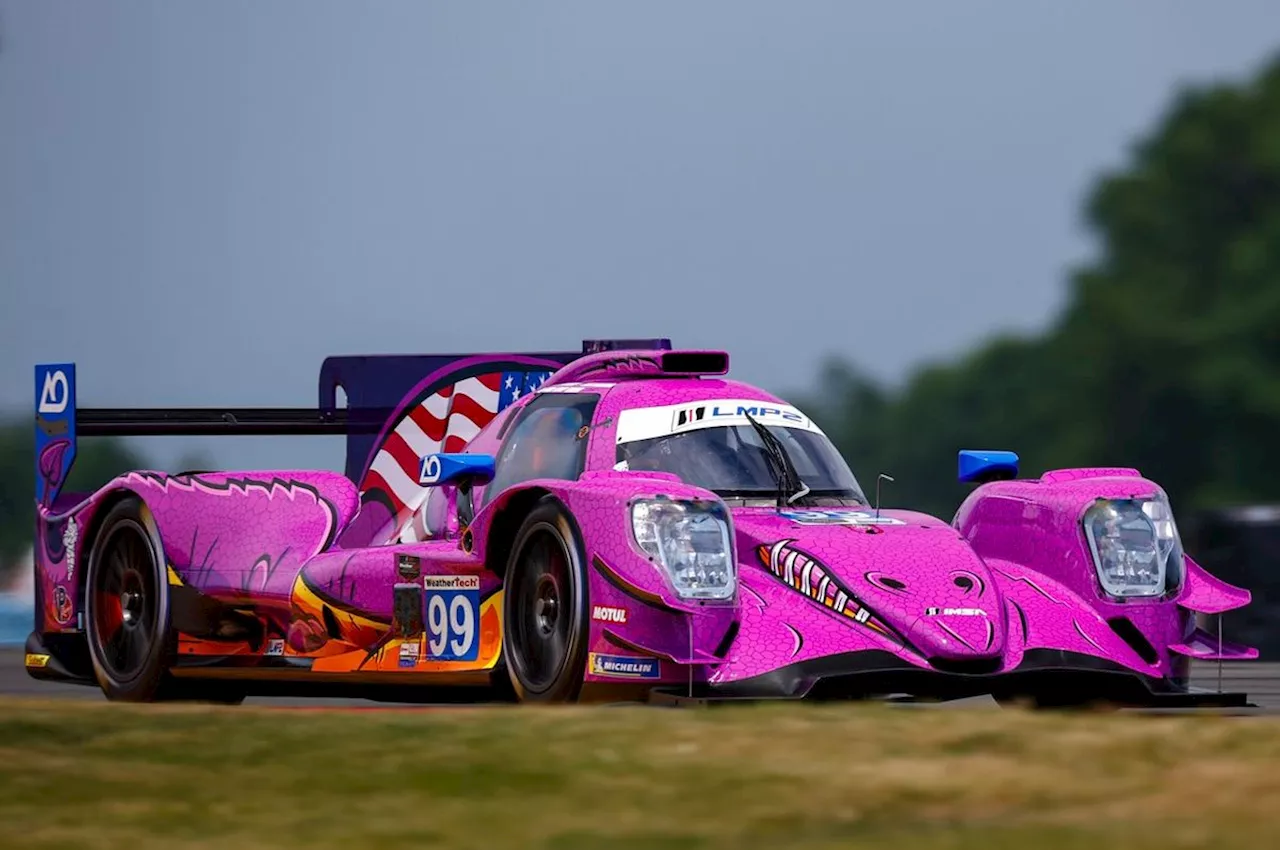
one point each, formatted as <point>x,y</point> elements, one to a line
<point>1166,356</point>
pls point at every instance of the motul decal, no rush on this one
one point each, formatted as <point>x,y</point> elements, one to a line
<point>606,614</point>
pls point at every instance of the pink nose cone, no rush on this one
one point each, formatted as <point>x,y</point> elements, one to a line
<point>958,633</point>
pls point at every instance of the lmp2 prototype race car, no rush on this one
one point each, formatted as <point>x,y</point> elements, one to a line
<point>611,524</point>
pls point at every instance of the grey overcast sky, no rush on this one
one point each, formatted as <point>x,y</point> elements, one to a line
<point>199,201</point>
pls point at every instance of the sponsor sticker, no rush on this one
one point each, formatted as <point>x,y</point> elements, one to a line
<point>430,470</point>
<point>608,614</point>
<point>62,608</point>
<point>55,444</point>
<point>55,393</point>
<point>70,537</point>
<point>954,612</point>
<point>731,412</point>
<point>645,423</point>
<point>409,567</point>
<point>624,667</point>
<point>34,660</point>
<point>408,654</point>
<point>819,517</point>
<point>451,582</point>
<point>275,646</point>
<point>687,416</point>
<point>452,617</point>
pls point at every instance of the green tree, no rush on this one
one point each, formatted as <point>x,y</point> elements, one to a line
<point>97,461</point>
<point>1181,313</point>
<point>1166,356</point>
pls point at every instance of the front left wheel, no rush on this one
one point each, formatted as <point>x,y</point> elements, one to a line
<point>545,607</point>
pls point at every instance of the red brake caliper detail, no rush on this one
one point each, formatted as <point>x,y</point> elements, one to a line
<point>111,610</point>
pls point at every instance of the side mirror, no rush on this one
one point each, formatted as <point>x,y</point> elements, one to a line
<point>461,470</point>
<point>979,467</point>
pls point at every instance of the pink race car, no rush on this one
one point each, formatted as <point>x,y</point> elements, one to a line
<point>616,523</point>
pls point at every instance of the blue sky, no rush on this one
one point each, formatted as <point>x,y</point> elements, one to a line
<point>198,202</point>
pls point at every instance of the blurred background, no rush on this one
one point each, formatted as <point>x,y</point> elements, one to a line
<point>1048,229</point>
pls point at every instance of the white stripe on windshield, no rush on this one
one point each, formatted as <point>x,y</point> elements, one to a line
<point>645,423</point>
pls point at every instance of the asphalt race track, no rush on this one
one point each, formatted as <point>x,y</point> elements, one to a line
<point>1260,680</point>
<point>14,681</point>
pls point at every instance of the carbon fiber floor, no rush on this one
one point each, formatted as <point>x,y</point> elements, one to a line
<point>1260,680</point>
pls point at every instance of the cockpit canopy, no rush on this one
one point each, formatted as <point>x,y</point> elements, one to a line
<point>712,444</point>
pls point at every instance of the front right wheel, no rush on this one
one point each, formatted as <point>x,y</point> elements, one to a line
<point>545,607</point>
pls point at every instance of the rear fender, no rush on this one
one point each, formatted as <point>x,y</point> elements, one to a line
<point>64,537</point>
<point>228,535</point>
<point>241,535</point>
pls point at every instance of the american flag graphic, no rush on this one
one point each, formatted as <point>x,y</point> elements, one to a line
<point>444,421</point>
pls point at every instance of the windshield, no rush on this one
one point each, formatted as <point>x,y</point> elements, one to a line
<point>732,460</point>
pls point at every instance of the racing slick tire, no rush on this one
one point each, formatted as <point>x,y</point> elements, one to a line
<point>545,607</point>
<point>127,620</point>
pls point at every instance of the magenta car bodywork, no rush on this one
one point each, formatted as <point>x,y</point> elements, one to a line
<point>290,581</point>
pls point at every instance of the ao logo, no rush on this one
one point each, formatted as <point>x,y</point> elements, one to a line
<point>430,469</point>
<point>53,400</point>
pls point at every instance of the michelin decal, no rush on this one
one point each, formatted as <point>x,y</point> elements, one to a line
<point>624,666</point>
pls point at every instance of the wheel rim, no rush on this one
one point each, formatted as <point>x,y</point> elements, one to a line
<point>123,602</point>
<point>544,616</point>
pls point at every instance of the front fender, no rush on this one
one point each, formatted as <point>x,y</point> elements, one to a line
<point>1047,614</point>
<point>635,610</point>
<point>1204,593</point>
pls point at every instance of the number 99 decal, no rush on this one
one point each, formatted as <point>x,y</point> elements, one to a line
<point>452,617</point>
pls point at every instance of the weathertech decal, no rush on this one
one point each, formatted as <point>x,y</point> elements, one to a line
<point>606,614</point>
<point>451,582</point>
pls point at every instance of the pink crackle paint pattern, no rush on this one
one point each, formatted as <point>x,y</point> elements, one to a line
<point>1010,575</point>
<point>801,572</point>
<point>234,536</point>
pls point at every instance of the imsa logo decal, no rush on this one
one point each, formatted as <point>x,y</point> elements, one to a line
<point>687,416</point>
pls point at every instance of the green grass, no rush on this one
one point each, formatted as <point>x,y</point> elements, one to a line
<point>107,776</point>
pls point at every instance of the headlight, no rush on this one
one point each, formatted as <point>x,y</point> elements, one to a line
<point>1135,546</point>
<point>691,542</point>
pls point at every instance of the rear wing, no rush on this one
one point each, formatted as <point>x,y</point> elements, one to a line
<point>376,389</point>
